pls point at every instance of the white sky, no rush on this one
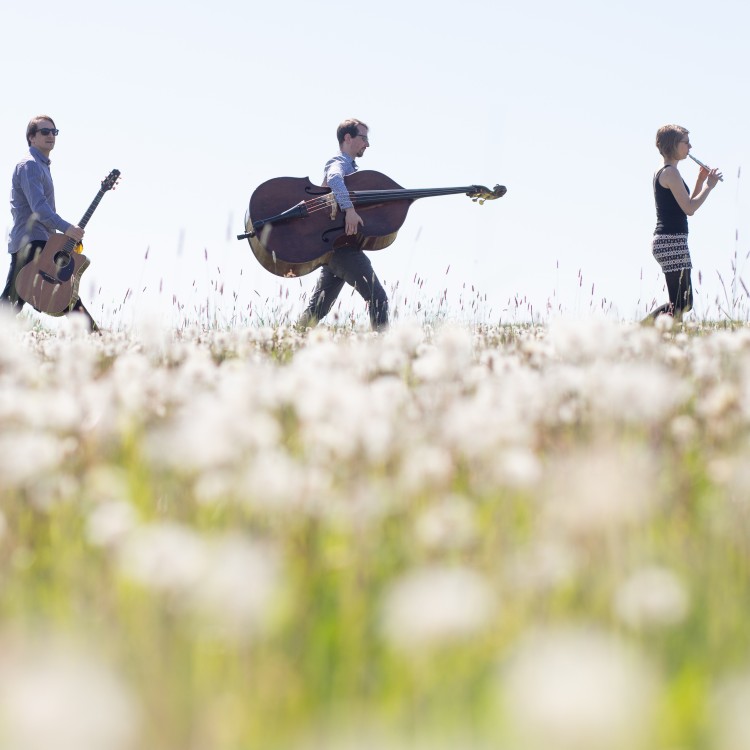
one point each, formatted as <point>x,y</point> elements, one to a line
<point>198,103</point>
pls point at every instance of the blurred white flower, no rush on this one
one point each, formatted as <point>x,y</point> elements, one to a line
<point>578,689</point>
<point>545,564</point>
<point>108,523</point>
<point>684,429</point>
<point>517,468</point>
<point>594,490</point>
<point>370,735</point>
<point>51,698</point>
<point>641,393</point>
<point>425,468</point>
<point>27,456</point>
<point>584,340</point>
<point>235,590</point>
<point>732,518</point>
<point>167,557</point>
<point>718,402</point>
<point>211,431</point>
<point>652,598</point>
<point>730,718</point>
<point>405,336</point>
<point>275,482</point>
<point>435,606</point>
<point>446,525</point>
<point>105,483</point>
<point>227,581</point>
<point>153,331</point>
<point>447,359</point>
<point>212,486</point>
<point>664,323</point>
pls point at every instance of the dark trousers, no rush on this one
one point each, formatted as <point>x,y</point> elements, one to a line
<point>354,268</point>
<point>680,291</point>
<point>10,299</point>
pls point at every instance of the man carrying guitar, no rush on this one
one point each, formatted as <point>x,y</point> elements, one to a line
<point>348,264</point>
<point>32,205</point>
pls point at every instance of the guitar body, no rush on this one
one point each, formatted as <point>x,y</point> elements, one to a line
<point>49,283</point>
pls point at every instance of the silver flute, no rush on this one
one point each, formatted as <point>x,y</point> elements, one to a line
<point>701,164</point>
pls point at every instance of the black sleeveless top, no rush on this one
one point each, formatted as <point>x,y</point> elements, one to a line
<point>670,218</point>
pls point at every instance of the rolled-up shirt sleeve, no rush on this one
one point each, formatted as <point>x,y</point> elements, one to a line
<point>335,181</point>
<point>31,182</point>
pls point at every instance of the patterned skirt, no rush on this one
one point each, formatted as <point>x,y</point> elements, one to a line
<point>671,252</point>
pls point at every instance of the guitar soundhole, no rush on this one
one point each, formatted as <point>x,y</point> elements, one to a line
<point>64,265</point>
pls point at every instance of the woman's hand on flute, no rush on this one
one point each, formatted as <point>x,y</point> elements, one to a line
<point>713,176</point>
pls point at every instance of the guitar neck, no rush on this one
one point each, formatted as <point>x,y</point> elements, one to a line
<point>370,197</point>
<point>90,210</point>
<point>70,244</point>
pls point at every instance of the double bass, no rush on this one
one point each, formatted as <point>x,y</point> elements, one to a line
<point>294,226</point>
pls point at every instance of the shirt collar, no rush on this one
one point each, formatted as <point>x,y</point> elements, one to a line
<point>349,159</point>
<point>39,156</point>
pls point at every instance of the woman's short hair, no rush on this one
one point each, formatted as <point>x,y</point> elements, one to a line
<point>349,126</point>
<point>667,138</point>
<point>33,126</point>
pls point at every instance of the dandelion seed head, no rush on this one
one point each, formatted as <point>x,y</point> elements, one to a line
<point>184,445</point>
<point>166,557</point>
<point>596,490</point>
<point>274,482</point>
<point>153,332</point>
<point>48,450</point>
<point>435,606</point>
<point>235,590</point>
<point>652,598</point>
<point>542,566</point>
<point>730,718</point>
<point>582,340</point>
<point>424,467</point>
<point>447,525</point>
<point>109,522</point>
<point>644,393</point>
<point>406,337</point>
<point>684,429</point>
<point>53,698</point>
<point>718,403</point>
<point>664,323</point>
<point>448,358</point>
<point>214,485</point>
<point>518,468</point>
<point>578,689</point>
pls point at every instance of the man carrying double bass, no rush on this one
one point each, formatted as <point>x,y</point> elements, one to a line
<point>347,264</point>
<point>32,205</point>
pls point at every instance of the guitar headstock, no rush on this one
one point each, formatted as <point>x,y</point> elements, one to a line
<point>480,194</point>
<point>109,182</point>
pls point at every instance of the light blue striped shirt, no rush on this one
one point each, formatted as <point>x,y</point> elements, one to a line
<point>335,170</point>
<point>32,202</point>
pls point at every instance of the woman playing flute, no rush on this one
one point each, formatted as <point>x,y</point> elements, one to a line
<point>673,205</point>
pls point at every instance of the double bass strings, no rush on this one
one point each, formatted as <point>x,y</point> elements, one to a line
<point>322,202</point>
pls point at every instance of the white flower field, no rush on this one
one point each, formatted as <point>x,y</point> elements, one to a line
<point>514,537</point>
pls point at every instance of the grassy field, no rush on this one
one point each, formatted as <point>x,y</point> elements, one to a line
<point>512,537</point>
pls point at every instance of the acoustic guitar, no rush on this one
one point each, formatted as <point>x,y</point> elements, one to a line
<point>49,283</point>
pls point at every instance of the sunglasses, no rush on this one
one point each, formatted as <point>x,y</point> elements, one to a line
<point>47,131</point>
